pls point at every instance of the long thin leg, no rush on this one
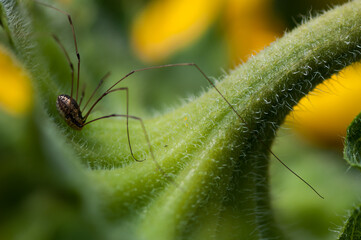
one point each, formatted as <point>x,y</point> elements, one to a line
<point>75,42</point>
<point>98,100</point>
<point>96,89</point>
<point>144,130</point>
<point>214,86</point>
<point>82,95</point>
<point>69,61</point>
<point>158,67</point>
<point>127,122</point>
<point>127,116</point>
<point>177,65</point>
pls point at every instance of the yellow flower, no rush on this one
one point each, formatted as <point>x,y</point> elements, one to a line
<point>15,87</point>
<point>166,26</point>
<point>249,27</point>
<point>324,115</point>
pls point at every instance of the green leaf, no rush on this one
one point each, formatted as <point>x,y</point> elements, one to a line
<point>217,162</point>
<point>353,143</point>
<point>352,228</point>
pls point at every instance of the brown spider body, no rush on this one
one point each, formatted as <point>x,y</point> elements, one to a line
<point>70,111</point>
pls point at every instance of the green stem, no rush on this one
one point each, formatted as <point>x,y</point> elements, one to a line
<point>215,150</point>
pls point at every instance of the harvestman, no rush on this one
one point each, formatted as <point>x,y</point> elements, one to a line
<point>69,108</point>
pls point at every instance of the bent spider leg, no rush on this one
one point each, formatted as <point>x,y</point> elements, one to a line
<point>159,168</point>
<point>57,40</point>
<point>82,94</point>
<point>127,116</point>
<point>127,121</point>
<point>96,89</point>
<point>75,43</point>
<point>144,130</point>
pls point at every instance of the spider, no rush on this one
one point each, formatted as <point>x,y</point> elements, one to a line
<point>70,111</point>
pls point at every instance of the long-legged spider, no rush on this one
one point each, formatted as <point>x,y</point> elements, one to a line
<point>69,108</point>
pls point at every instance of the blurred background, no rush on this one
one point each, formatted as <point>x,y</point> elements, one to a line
<point>120,36</point>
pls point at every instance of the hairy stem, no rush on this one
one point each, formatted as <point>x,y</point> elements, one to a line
<point>214,151</point>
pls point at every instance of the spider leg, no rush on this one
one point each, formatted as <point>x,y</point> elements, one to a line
<point>146,138</point>
<point>96,89</point>
<point>69,61</point>
<point>82,95</point>
<point>75,44</point>
<point>127,116</point>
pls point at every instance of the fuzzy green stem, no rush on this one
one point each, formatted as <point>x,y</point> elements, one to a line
<point>210,149</point>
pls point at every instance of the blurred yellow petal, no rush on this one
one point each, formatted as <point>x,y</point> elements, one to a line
<point>15,86</point>
<point>166,26</point>
<point>324,115</point>
<point>250,26</point>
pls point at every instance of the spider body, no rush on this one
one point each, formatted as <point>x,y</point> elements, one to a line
<point>70,111</point>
